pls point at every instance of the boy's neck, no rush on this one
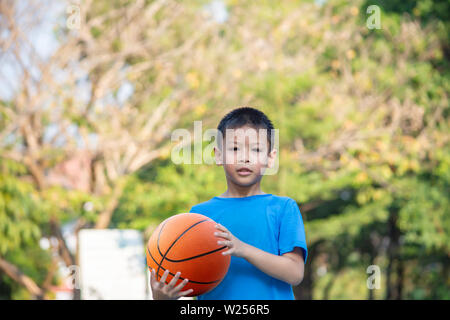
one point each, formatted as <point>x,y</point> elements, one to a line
<point>236,191</point>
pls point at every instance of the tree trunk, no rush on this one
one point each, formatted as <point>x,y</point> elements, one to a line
<point>372,261</point>
<point>105,216</point>
<point>14,273</point>
<point>392,252</point>
<point>63,250</point>
<point>400,279</point>
<point>375,246</point>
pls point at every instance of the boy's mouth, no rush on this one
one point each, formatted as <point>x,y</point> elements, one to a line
<point>244,171</point>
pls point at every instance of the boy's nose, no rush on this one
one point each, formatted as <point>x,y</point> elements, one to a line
<point>244,157</point>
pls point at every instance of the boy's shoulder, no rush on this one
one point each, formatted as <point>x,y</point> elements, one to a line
<point>203,204</point>
<point>284,201</point>
<point>283,198</point>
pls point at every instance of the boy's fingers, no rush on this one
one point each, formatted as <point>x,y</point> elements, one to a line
<point>180,286</point>
<point>174,279</point>
<point>221,227</point>
<point>153,281</point>
<point>185,293</point>
<point>226,243</point>
<point>225,235</point>
<point>164,276</point>
<point>225,253</point>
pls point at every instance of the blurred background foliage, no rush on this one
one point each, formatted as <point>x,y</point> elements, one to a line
<point>364,138</point>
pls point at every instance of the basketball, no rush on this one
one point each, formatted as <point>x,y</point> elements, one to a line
<point>186,243</point>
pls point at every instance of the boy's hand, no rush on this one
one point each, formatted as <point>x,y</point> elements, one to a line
<point>162,291</point>
<point>236,247</point>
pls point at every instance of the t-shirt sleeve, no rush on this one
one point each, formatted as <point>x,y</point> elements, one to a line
<point>292,231</point>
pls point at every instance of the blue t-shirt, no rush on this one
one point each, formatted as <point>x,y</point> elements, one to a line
<point>269,222</point>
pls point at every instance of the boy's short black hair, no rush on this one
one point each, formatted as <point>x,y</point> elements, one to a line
<point>252,117</point>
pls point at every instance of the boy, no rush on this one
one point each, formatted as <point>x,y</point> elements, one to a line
<point>264,233</point>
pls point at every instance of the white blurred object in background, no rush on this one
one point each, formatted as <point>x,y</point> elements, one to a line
<point>112,265</point>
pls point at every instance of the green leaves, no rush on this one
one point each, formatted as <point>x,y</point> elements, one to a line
<point>21,213</point>
<point>425,217</point>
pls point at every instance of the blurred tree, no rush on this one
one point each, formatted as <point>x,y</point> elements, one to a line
<point>21,218</point>
<point>363,119</point>
<point>113,90</point>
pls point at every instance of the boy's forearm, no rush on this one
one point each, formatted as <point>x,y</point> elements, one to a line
<point>279,267</point>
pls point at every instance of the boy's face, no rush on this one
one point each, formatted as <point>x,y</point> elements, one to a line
<point>245,155</point>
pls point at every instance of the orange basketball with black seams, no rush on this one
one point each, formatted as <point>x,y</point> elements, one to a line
<point>186,243</point>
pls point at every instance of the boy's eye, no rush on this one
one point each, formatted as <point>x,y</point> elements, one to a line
<point>256,149</point>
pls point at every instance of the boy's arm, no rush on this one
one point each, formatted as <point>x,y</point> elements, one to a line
<point>288,267</point>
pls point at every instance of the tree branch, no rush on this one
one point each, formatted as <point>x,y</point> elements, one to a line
<point>14,273</point>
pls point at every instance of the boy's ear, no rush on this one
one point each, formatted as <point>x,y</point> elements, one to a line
<point>271,158</point>
<point>218,156</point>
